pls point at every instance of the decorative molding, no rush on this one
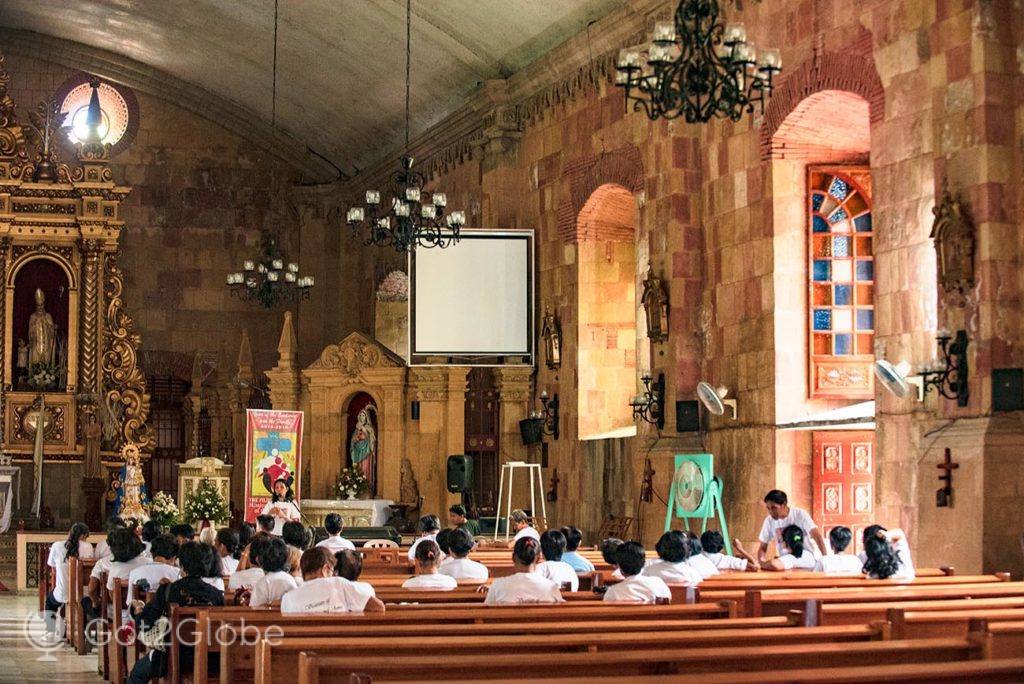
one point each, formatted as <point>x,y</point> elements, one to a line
<point>91,250</point>
<point>355,354</point>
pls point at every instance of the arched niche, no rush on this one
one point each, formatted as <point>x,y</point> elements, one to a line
<point>361,427</point>
<point>54,280</point>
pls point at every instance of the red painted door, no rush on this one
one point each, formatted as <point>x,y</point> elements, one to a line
<point>844,481</point>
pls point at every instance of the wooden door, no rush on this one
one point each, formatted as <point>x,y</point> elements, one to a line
<point>844,481</point>
<point>482,439</point>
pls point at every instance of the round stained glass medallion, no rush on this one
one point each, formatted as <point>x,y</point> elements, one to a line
<point>120,112</point>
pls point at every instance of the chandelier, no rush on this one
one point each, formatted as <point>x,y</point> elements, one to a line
<point>270,279</point>
<point>406,217</point>
<point>697,68</point>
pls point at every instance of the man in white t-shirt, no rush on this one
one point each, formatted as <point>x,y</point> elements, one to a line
<point>163,550</point>
<point>521,526</point>
<point>780,516</point>
<point>335,542</point>
<point>636,587</point>
<point>322,592</point>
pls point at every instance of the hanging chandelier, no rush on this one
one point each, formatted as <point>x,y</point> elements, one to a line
<point>697,68</point>
<point>405,216</point>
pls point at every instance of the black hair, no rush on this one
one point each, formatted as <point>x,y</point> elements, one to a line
<point>245,534</point>
<point>552,543</point>
<point>526,551</point>
<point>793,536</point>
<point>428,523</point>
<point>776,496</point>
<point>573,537</point>
<point>630,557</point>
<point>258,547</point>
<point>294,534</point>
<point>266,522</point>
<point>192,559</point>
<point>458,509</point>
<point>288,495</point>
<point>444,540</point>
<point>75,534</point>
<point>314,560</point>
<point>840,537</point>
<point>114,523</point>
<point>608,548</point>
<point>883,561</point>
<point>275,556</point>
<point>712,541</point>
<point>870,532</point>
<point>673,547</point>
<point>165,546</point>
<point>124,545</point>
<point>428,552</point>
<point>460,542</point>
<point>349,565</point>
<point>229,538</point>
<point>151,530</point>
<point>184,530</point>
<point>333,523</point>
<point>695,546</point>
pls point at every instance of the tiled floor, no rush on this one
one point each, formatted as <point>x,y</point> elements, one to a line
<point>21,661</point>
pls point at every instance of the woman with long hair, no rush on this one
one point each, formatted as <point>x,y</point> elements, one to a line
<point>75,546</point>
<point>887,554</point>
<point>282,505</point>
<point>799,556</point>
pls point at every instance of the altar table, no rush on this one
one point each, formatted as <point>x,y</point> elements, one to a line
<point>354,512</point>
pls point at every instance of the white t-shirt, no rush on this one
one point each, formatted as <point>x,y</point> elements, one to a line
<point>290,510</point>
<point>906,570</point>
<point>638,589</point>
<point>527,531</point>
<point>559,572</point>
<point>701,564</point>
<point>805,561</point>
<point>101,566</point>
<point>228,565</point>
<point>464,569</point>
<point>152,573</point>
<point>839,564</point>
<point>245,579</point>
<point>58,560</point>
<point>673,573</point>
<point>102,550</point>
<point>121,571</point>
<point>215,582</point>
<point>724,562</point>
<point>771,530</point>
<point>328,595</point>
<point>334,544</point>
<point>271,587</point>
<point>523,587</point>
<point>435,582</point>
<point>412,549</point>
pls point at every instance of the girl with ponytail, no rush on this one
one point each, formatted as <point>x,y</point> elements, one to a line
<point>75,546</point>
<point>427,558</point>
<point>798,558</point>
<point>526,585</point>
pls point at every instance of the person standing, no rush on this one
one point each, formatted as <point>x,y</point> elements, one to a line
<point>780,516</point>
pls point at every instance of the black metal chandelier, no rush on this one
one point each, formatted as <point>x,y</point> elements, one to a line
<point>697,68</point>
<point>406,217</point>
<point>270,279</point>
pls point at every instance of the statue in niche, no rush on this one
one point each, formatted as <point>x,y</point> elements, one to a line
<point>21,363</point>
<point>655,301</point>
<point>410,490</point>
<point>42,334</point>
<point>92,433</point>
<point>551,332</point>
<point>362,449</point>
<point>953,234</point>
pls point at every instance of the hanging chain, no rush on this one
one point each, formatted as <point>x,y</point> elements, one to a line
<point>408,61</point>
<point>273,87</point>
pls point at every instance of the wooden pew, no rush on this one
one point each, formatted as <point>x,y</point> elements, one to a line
<point>945,623</point>
<point>1000,639</point>
<point>861,612</point>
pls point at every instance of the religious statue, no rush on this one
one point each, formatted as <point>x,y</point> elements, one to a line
<point>655,301</point>
<point>133,487</point>
<point>362,446</point>
<point>551,332</point>
<point>92,466</point>
<point>22,361</point>
<point>953,233</point>
<point>42,334</point>
<point>409,489</point>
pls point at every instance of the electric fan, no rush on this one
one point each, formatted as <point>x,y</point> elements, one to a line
<point>714,399</point>
<point>896,379</point>
<point>695,492</point>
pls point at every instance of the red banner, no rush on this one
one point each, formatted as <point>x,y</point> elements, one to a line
<point>273,451</point>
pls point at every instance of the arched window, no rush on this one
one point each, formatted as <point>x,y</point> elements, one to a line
<point>842,277</point>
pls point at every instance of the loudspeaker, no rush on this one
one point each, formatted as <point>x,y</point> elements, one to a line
<point>687,416</point>
<point>460,474</point>
<point>1007,389</point>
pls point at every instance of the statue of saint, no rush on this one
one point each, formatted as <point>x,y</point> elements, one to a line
<point>655,301</point>
<point>92,466</point>
<point>22,361</point>
<point>42,333</point>
<point>551,332</point>
<point>362,447</point>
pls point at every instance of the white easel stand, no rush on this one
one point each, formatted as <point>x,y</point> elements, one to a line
<point>531,470</point>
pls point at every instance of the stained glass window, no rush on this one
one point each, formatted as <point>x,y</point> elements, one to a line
<point>841,271</point>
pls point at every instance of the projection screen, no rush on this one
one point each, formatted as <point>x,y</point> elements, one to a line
<point>473,299</point>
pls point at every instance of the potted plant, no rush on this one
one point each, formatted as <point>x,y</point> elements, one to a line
<point>163,510</point>
<point>352,483</point>
<point>205,506</point>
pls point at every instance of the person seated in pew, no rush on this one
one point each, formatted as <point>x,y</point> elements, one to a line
<point>697,561</point>
<point>190,590</point>
<point>350,566</point>
<point>522,527</point>
<point>276,580</point>
<point>335,542</point>
<point>428,526</point>
<point>798,557</point>
<point>552,544</point>
<point>444,542</point>
<point>525,585</point>
<point>163,568</point>
<point>887,554</point>
<point>608,547</point>
<point>264,528</point>
<point>637,586</point>
<point>323,592</point>
<point>245,579</point>
<point>458,565</point>
<point>673,551</point>
<point>839,562</point>
<point>428,556</point>
<point>226,546</point>
<point>183,533</point>
<point>460,520</point>
<point>75,546</point>
<point>102,547</point>
<point>712,543</point>
<point>127,554</point>
<point>91,595</point>
<point>246,530</point>
<point>573,538</point>
<point>296,537</point>
<point>150,531</point>
<point>215,571</point>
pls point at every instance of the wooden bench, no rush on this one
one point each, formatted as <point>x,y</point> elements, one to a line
<point>1001,639</point>
<point>861,612</point>
<point>945,623</point>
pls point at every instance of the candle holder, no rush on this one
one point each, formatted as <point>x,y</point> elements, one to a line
<point>950,380</point>
<point>549,414</point>
<point>650,406</point>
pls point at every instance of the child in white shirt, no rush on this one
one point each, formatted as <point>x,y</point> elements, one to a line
<point>636,587</point>
<point>458,565</point>
<point>75,546</point>
<point>608,547</point>
<point>322,592</point>
<point>164,551</point>
<point>335,542</point>
<point>552,543</point>
<point>887,554</point>
<point>428,527</point>
<point>712,544</point>
<point>350,566</point>
<point>277,581</point>
<point>226,547</point>
<point>673,549</point>
<point>837,562</point>
<point>697,561</point>
<point>525,586</point>
<point>428,555</point>
<point>798,558</point>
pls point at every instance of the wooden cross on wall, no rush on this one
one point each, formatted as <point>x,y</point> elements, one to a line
<point>944,495</point>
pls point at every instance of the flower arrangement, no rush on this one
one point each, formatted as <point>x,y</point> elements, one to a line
<point>206,503</point>
<point>43,376</point>
<point>394,287</point>
<point>163,511</point>
<point>352,482</point>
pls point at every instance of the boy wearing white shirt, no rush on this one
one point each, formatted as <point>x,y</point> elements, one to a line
<point>277,581</point>
<point>780,516</point>
<point>712,544</point>
<point>164,551</point>
<point>525,586</point>
<point>428,527</point>
<point>838,562</point>
<point>522,527</point>
<point>673,549</point>
<point>636,587</point>
<point>335,542</point>
<point>458,565</point>
<point>552,543</point>
<point>322,592</point>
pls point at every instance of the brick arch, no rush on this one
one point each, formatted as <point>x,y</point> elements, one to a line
<point>586,175</point>
<point>833,72</point>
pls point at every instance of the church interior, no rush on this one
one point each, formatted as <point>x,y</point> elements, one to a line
<point>621,267</point>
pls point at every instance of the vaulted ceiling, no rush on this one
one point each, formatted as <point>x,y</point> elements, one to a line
<point>341,63</point>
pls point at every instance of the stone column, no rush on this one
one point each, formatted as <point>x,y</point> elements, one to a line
<point>284,377</point>
<point>441,432</point>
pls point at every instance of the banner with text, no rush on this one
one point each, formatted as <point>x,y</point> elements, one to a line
<point>273,451</point>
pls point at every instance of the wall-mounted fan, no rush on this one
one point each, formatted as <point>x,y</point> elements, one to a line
<point>695,492</point>
<point>714,399</point>
<point>897,380</point>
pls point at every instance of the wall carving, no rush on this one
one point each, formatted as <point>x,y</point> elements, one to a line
<point>355,354</point>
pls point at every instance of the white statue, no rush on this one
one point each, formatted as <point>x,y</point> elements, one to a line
<point>42,333</point>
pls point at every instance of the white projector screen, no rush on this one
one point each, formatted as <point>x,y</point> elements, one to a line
<point>474,298</point>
